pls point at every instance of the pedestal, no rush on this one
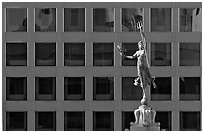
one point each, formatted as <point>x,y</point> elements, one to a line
<point>144,118</point>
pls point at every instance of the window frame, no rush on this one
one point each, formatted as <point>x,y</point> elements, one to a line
<point>45,97</point>
<point>27,27</point>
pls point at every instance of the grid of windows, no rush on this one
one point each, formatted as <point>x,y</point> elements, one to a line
<point>64,65</point>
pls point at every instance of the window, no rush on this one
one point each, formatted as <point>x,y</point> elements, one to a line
<point>16,121</point>
<point>16,19</point>
<point>16,88</point>
<point>190,121</point>
<point>164,118</point>
<point>45,54</point>
<point>163,89</point>
<point>127,18</point>
<point>103,121</point>
<point>74,88</point>
<point>190,20</point>
<point>189,88</point>
<point>45,121</point>
<point>74,19</point>
<point>103,54</point>
<point>45,88</point>
<point>189,54</point>
<point>74,54</point>
<point>16,54</point>
<point>127,118</point>
<point>129,49</point>
<point>103,88</point>
<point>45,19</point>
<point>160,19</point>
<point>129,90</point>
<point>160,54</point>
<point>74,121</point>
<point>103,19</point>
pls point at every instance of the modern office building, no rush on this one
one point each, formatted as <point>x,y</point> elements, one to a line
<point>62,70</point>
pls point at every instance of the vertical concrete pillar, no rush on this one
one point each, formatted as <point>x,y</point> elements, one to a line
<point>118,120</point>
<point>175,122</point>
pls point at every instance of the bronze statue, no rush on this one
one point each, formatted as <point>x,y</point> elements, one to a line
<point>144,74</point>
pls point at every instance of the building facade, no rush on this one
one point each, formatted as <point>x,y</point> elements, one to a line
<point>62,71</point>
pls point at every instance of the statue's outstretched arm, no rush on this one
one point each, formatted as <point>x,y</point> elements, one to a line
<point>126,56</point>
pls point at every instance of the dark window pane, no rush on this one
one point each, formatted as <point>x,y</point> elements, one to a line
<point>16,19</point>
<point>45,54</point>
<point>74,121</point>
<point>189,54</point>
<point>130,49</point>
<point>129,90</point>
<point>103,19</point>
<point>74,54</point>
<point>190,121</point>
<point>74,88</point>
<point>164,118</point>
<point>190,20</point>
<point>45,121</point>
<point>189,88</point>
<point>103,121</point>
<point>163,89</point>
<point>160,19</point>
<point>16,54</point>
<point>103,54</point>
<point>127,18</point>
<point>16,121</point>
<point>16,88</point>
<point>45,19</point>
<point>74,19</point>
<point>45,88</point>
<point>103,88</point>
<point>161,54</point>
<point>127,118</point>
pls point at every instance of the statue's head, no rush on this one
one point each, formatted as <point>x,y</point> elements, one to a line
<point>140,45</point>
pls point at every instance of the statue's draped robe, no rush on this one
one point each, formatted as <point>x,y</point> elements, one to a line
<point>143,69</point>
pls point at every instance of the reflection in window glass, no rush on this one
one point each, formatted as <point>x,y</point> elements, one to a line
<point>103,54</point>
<point>45,54</point>
<point>103,121</point>
<point>189,88</point>
<point>45,19</point>
<point>103,19</point>
<point>160,54</point>
<point>16,121</point>
<point>129,90</point>
<point>16,19</point>
<point>163,89</point>
<point>160,19</point>
<point>16,54</point>
<point>45,88</point>
<point>190,121</point>
<point>189,54</point>
<point>127,118</point>
<point>190,20</point>
<point>130,49</point>
<point>45,121</point>
<point>74,121</point>
<point>103,88</point>
<point>74,19</point>
<point>164,118</point>
<point>127,18</point>
<point>74,54</point>
<point>74,88</point>
<point>16,88</point>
